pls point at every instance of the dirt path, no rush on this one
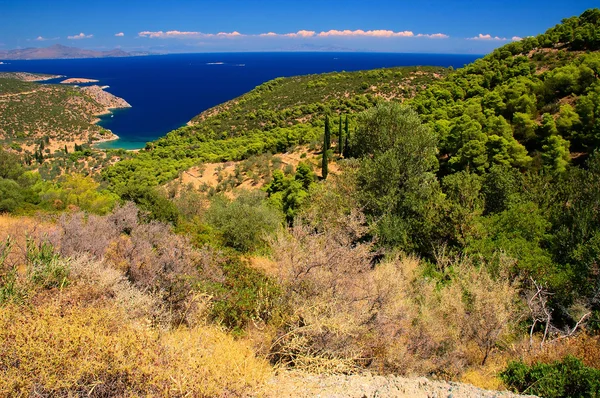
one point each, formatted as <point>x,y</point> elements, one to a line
<point>290,384</point>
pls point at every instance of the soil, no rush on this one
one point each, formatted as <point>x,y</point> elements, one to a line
<point>294,384</point>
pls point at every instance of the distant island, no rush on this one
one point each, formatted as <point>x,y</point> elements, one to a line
<point>78,80</point>
<point>59,51</point>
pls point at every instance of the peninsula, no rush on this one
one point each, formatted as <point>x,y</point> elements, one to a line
<point>78,80</point>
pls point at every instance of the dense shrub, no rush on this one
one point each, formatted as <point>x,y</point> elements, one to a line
<point>244,223</point>
<point>244,295</point>
<point>567,378</point>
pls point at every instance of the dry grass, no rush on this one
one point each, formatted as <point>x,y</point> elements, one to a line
<point>67,350</point>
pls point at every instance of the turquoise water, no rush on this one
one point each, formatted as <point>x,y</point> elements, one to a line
<point>169,90</point>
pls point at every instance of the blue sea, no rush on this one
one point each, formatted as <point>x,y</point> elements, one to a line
<point>166,91</point>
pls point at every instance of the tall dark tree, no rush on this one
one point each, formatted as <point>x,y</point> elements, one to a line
<point>340,147</point>
<point>347,137</point>
<point>326,146</point>
<point>66,150</point>
<point>347,145</point>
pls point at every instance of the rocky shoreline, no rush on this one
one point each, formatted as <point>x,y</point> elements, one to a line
<point>110,102</point>
<point>78,80</point>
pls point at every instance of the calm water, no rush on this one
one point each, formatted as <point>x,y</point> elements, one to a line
<point>167,91</point>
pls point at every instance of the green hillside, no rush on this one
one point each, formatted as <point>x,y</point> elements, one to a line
<point>529,104</point>
<point>273,117</point>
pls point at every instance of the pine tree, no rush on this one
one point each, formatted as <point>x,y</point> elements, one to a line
<point>340,138</point>
<point>326,146</point>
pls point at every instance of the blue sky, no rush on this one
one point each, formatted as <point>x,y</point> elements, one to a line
<point>432,26</point>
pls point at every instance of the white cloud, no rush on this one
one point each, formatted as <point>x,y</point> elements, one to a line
<point>516,38</point>
<point>433,36</point>
<point>172,34</point>
<point>370,33</point>
<point>224,34</point>
<point>301,33</point>
<point>176,34</point>
<point>487,37</point>
<point>80,36</point>
<point>41,38</point>
<point>120,34</point>
<point>355,33</point>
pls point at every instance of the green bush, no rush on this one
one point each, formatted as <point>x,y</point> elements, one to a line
<point>244,223</point>
<point>244,295</point>
<point>46,268</point>
<point>155,204</point>
<point>569,378</point>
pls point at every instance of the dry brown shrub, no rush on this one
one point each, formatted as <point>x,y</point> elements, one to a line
<point>348,312</point>
<point>151,256</point>
<point>583,346</point>
<point>94,280</point>
<point>19,228</point>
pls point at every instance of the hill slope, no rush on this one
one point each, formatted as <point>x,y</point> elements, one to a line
<point>273,117</point>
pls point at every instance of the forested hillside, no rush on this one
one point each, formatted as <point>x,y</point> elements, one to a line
<point>458,239</point>
<point>274,117</point>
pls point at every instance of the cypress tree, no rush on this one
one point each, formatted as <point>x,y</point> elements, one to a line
<point>66,151</point>
<point>346,134</point>
<point>347,144</point>
<point>326,145</point>
<point>340,138</point>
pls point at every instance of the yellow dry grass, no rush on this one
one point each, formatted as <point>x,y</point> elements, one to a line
<point>66,350</point>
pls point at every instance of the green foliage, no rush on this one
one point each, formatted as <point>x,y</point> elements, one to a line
<point>245,295</point>
<point>289,193</point>
<point>9,290</point>
<point>325,151</point>
<point>45,267</point>
<point>505,107</point>
<point>80,191</point>
<point>396,179</point>
<point>567,378</point>
<point>153,202</point>
<point>244,223</point>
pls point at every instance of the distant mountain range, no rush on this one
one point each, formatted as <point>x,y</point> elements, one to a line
<point>58,51</point>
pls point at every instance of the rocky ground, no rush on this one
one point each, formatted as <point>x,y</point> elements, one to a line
<point>105,98</point>
<point>291,384</point>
